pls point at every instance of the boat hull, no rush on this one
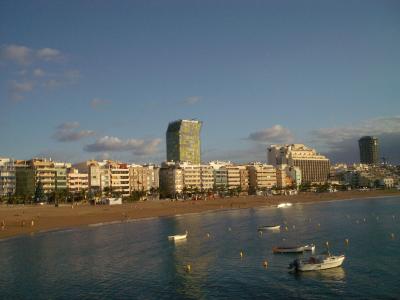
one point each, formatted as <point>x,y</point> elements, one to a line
<point>262,228</point>
<point>329,263</point>
<point>177,237</point>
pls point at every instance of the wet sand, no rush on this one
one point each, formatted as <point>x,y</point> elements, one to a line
<point>31,219</point>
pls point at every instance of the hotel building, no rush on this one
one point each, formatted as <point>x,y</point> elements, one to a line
<point>183,141</point>
<point>314,167</point>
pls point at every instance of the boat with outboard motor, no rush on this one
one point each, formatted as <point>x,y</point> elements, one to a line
<point>318,262</point>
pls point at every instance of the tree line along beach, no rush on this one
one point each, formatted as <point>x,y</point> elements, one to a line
<point>30,219</point>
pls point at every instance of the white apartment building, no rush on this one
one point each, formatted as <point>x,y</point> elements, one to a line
<point>261,176</point>
<point>7,177</point>
<point>76,181</point>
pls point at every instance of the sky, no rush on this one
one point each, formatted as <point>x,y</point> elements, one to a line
<point>102,79</point>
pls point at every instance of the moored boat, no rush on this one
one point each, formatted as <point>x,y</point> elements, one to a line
<point>294,249</point>
<point>282,205</point>
<point>318,262</point>
<point>178,236</point>
<point>269,227</point>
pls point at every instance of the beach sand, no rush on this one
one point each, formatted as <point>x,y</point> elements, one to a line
<point>31,219</point>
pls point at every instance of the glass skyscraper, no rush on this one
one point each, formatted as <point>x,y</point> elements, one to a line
<point>183,141</point>
<point>369,150</point>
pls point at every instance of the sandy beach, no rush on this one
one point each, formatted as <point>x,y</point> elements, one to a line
<point>31,219</point>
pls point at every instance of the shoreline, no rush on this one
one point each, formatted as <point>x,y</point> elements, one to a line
<point>28,220</point>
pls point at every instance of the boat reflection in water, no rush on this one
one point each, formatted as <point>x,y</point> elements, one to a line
<point>330,275</point>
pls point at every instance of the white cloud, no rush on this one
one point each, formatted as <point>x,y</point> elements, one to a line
<point>23,55</point>
<point>16,53</point>
<point>65,132</point>
<point>18,90</point>
<point>49,54</point>
<point>139,147</point>
<point>191,100</point>
<point>274,135</point>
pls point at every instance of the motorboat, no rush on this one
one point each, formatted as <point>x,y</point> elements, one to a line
<point>269,227</point>
<point>318,262</point>
<point>283,205</point>
<point>178,237</point>
<point>294,249</point>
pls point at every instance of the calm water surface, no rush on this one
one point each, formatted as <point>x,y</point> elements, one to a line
<point>136,261</point>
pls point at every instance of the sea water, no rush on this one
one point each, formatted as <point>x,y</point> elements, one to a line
<point>135,260</point>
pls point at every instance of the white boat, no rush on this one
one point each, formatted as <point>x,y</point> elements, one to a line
<point>294,249</point>
<point>282,205</point>
<point>269,227</point>
<point>319,262</point>
<point>178,237</point>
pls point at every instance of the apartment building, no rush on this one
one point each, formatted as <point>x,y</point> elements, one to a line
<point>139,178</point>
<point>119,177</point>
<point>171,179</point>
<point>7,177</point>
<point>52,175</point>
<point>261,176</point>
<point>76,181</point>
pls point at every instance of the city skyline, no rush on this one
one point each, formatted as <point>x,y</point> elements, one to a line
<point>81,80</point>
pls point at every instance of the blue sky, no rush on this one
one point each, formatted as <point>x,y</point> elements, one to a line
<point>102,79</point>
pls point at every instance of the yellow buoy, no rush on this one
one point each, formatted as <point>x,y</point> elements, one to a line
<point>241,254</point>
<point>188,268</point>
<point>265,264</point>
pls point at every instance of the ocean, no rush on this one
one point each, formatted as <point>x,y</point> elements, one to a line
<point>135,260</point>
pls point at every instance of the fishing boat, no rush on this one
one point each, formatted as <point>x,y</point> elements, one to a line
<point>283,205</point>
<point>318,262</point>
<point>294,249</point>
<point>178,237</point>
<point>269,227</point>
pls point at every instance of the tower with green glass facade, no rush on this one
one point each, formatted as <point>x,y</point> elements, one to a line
<point>183,141</point>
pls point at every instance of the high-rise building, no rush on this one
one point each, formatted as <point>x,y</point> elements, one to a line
<point>183,141</point>
<point>314,167</point>
<point>369,150</point>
